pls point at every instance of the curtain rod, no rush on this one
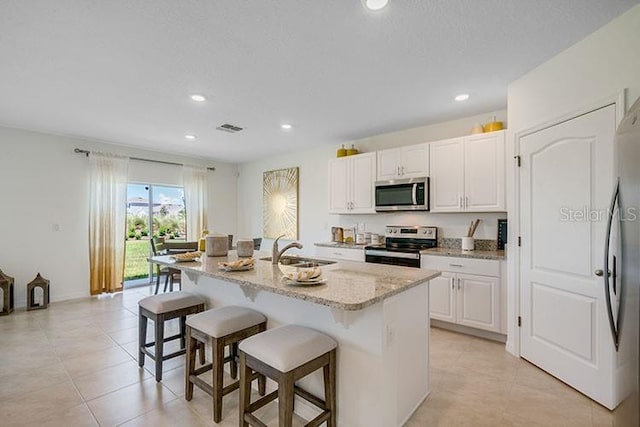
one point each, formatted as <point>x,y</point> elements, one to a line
<point>87,152</point>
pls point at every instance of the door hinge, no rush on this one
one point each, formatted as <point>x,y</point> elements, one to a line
<point>518,160</point>
<point>519,241</point>
<point>519,321</point>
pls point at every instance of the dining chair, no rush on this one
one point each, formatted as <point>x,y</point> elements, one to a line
<point>171,275</point>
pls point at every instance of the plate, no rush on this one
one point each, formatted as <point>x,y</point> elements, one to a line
<point>312,282</point>
<point>186,259</point>
<point>243,268</point>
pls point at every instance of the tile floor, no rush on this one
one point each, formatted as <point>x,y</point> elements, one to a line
<point>74,364</point>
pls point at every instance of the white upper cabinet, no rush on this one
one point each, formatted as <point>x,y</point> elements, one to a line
<point>468,174</point>
<point>484,172</point>
<point>405,162</point>
<point>351,184</point>
<point>447,175</point>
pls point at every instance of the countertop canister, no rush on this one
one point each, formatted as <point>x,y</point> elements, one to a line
<point>245,247</point>
<point>217,245</point>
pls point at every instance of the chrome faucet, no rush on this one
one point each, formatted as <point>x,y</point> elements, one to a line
<point>276,255</point>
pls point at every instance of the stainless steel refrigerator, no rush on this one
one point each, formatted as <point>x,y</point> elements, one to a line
<point>622,262</point>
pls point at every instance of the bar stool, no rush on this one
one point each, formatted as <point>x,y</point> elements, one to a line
<point>287,354</point>
<point>161,308</point>
<point>221,327</point>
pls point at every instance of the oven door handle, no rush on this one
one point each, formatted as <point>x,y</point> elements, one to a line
<point>414,194</point>
<point>392,254</point>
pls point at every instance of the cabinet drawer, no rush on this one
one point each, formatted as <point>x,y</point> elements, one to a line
<point>483,267</point>
<point>340,253</point>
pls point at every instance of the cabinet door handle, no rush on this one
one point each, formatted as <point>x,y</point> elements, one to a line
<point>453,285</point>
<point>461,205</point>
<point>458,284</point>
<point>397,170</point>
<point>402,170</point>
<point>456,265</point>
<point>466,202</point>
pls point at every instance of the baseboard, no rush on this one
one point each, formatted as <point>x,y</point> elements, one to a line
<point>415,409</point>
<point>493,336</point>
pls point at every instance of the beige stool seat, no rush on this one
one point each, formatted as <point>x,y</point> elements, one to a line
<point>220,327</point>
<point>164,303</point>
<point>161,308</point>
<point>287,354</point>
<point>288,347</point>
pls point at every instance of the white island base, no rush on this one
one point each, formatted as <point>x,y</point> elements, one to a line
<point>383,349</point>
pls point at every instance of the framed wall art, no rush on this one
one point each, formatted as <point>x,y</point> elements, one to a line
<point>280,203</point>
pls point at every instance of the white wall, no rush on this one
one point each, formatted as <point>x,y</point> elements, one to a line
<point>314,221</point>
<point>43,182</point>
<point>598,67</point>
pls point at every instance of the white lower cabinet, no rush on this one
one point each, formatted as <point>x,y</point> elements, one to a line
<point>346,254</point>
<point>462,297</point>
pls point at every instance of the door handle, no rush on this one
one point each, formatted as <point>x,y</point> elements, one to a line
<point>599,272</point>
<point>613,323</point>
<point>414,194</point>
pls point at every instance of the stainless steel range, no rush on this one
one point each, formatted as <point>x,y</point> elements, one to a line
<point>403,245</point>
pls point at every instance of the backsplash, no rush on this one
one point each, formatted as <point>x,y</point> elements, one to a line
<point>480,244</point>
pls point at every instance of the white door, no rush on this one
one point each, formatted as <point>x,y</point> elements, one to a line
<point>338,176</point>
<point>415,161</point>
<point>478,301</point>
<point>566,181</point>
<point>484,170</point>
<point>442,297</point>
<point>447,175</point>
<point>362,183</point>
<point>388,164</point>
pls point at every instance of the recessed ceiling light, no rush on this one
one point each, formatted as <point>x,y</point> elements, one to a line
<point>462,97</point>
<point>286,126</point>
<point>190,137</point>
<point>375,4</point>
<point>198,98</point>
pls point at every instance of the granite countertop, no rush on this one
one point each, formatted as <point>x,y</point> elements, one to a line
<point>459,253</point>
<point>349,285</point>
<point>342,245</point>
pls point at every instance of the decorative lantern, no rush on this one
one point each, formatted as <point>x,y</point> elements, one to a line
<point>38,282</point>
<point>6,284</point>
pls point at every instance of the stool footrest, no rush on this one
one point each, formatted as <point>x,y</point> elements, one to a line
<point>201,370</point>
<point>310,397</point>
<point>165,357</point>
<point>317,421</point>
<point>171,338</point>
<point>252,420</point>
<point>263,401</point>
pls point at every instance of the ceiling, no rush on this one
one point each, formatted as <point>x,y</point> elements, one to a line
<point>122,71</point>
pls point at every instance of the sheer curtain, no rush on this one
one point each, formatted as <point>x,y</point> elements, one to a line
<point>107,221</point>
<point>195,195</point>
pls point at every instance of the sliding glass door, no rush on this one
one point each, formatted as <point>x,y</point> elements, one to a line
<point>152,211</point>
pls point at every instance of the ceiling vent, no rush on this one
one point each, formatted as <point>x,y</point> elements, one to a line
<point>229,128</point>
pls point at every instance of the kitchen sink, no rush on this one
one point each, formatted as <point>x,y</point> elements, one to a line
<point>300,262</point>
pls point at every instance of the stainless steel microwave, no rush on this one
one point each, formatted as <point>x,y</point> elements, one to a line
<point>402,195</point>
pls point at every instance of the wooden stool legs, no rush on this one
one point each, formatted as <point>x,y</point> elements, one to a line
<point>287,390</point>
<point>195,339</point>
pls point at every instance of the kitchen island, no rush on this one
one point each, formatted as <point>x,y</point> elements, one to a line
<point>378,314</point>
